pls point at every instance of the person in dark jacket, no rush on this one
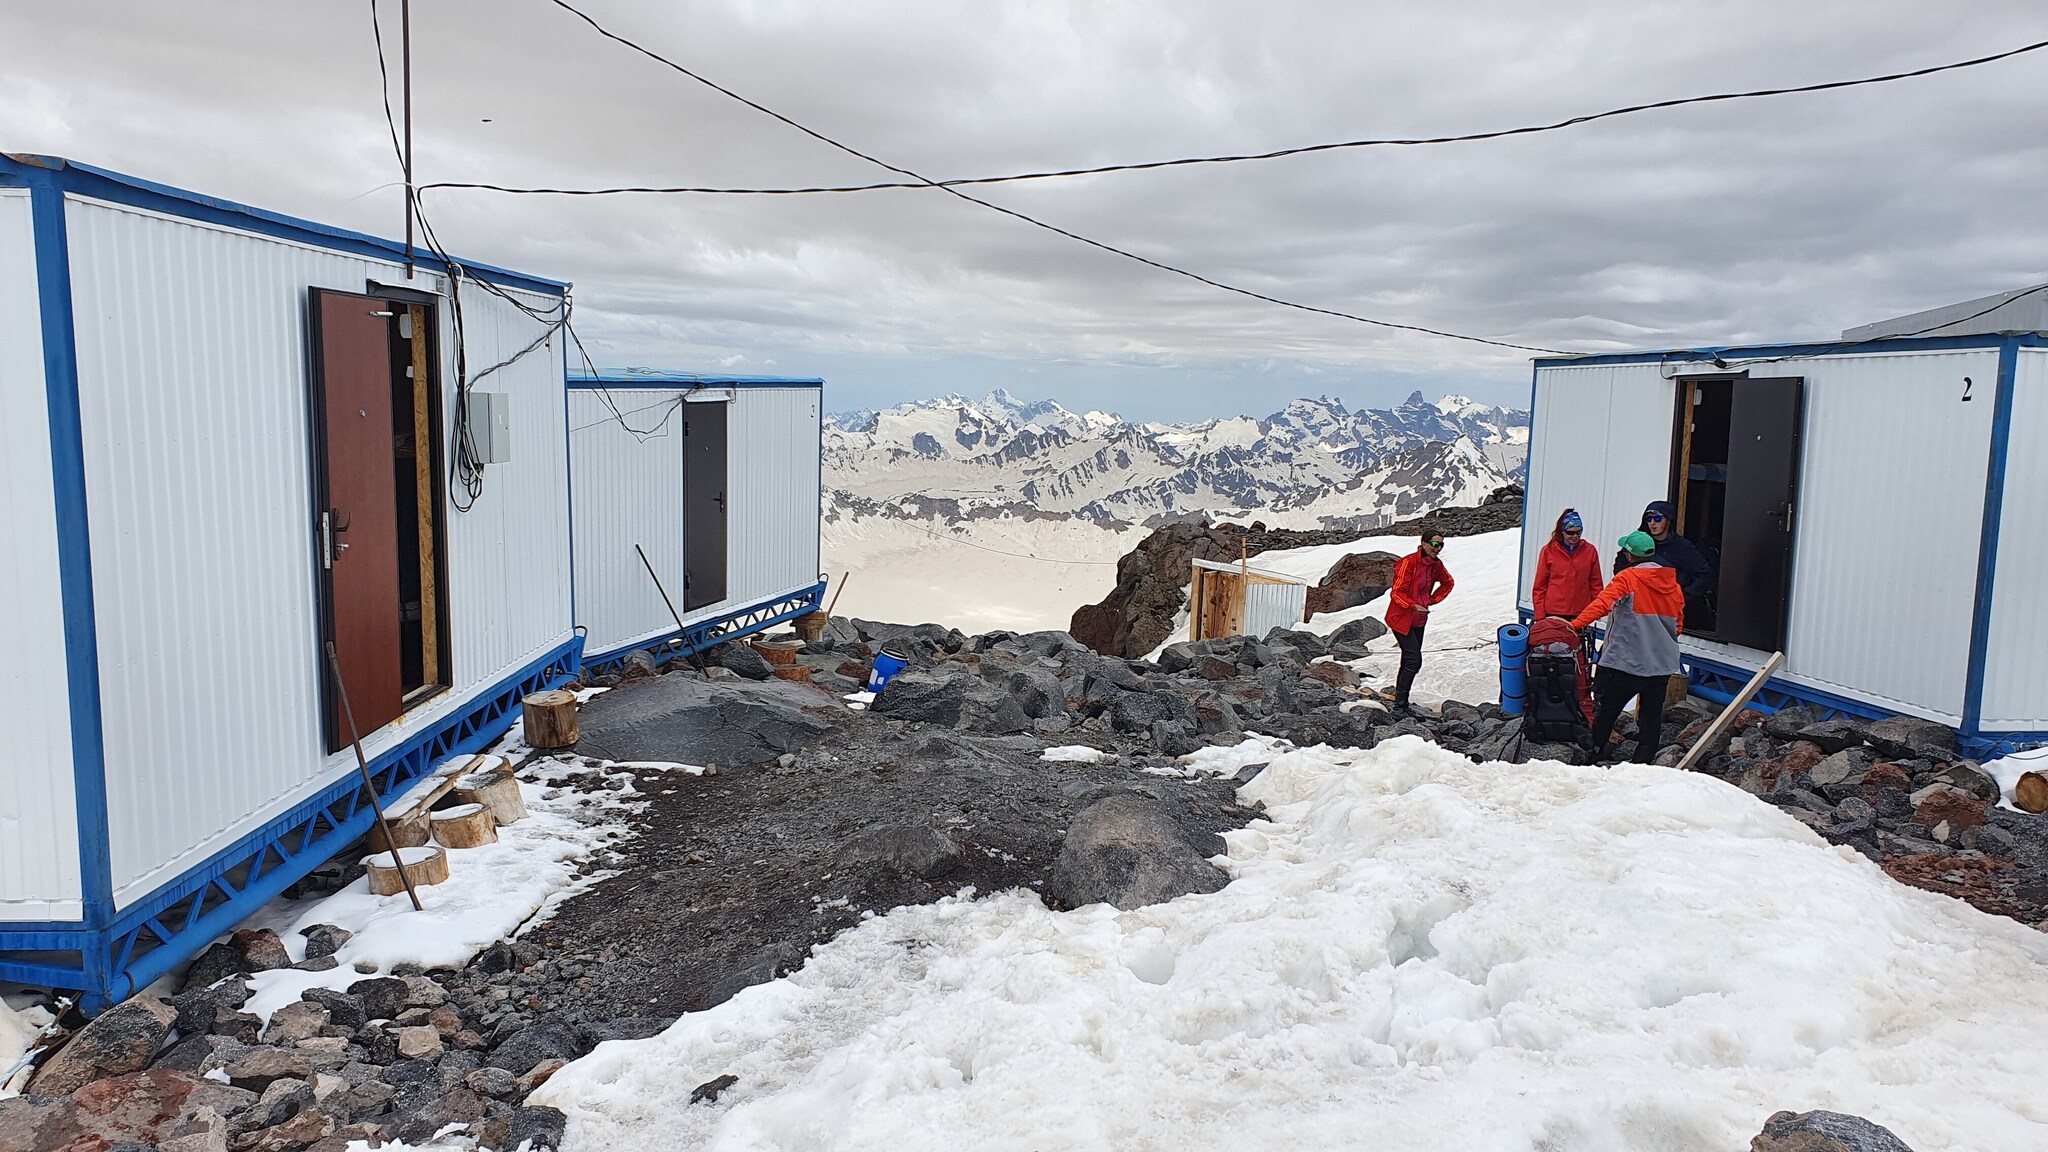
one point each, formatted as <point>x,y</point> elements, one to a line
<point>1660,523</point>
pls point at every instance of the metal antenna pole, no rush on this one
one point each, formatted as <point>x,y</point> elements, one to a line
<point>363,766</point>
<point>405,51</point>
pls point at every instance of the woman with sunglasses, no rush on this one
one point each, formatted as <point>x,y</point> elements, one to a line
<point>1420,580</point>
<point>1567,570</point>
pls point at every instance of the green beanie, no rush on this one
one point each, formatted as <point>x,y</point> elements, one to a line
<point>1638,543</point>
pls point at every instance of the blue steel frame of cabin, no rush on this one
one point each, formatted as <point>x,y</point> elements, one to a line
<point>1720,682</point>
<point>110,952</point>
<point>695,636</point>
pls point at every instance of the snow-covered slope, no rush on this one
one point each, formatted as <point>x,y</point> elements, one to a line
<point>1314,463</point>
<point>1414,952</point>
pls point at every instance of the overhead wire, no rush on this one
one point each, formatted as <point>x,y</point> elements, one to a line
<point>1229,158</point>
<point>1035,222</point>
<point>1709,356</point>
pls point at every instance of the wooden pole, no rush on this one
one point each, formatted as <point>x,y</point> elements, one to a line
<point>363,766</point>
<point>1727,716</point>
<point>843,578</point>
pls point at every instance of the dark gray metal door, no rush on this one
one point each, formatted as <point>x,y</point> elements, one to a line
<point>1763,487</point>
<point>704,453</point>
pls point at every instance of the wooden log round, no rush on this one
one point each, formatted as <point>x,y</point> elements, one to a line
<point>810,626</point>
<point>465,826</point>
<point>497,791</point>
<point>2030,794</point>
<point>426,864</point>
<point>778,653</point>
<point>795,673</point>
<point>549,718</point>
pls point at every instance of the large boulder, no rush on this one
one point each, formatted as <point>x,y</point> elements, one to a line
<point>1819,1131</point>
<point>1908,736</point>
<point>947,698</point>
<point>1358,578</point>
<point>124,1038</point>
<point>1130,851</point>
<point>1136,712</point>
<point>682,718</point>
<point>912,849</point>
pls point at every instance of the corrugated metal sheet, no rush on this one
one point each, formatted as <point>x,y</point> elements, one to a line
<point>1270,606</point>
<point>773,525</point>
<point>1891,496</point>
<point>192,363</point>
<point>2016,663</point>
<point>626,489</point>
<point>629,489</point>
<point>38,813</point>
<point>1600,441</point>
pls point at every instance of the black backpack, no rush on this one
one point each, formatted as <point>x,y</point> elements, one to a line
<point>1555,712</point>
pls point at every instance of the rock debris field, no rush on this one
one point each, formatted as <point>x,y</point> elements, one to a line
<point>994,764</point>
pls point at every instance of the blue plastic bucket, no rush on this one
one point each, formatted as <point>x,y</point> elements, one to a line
<point>886,665</point>
<point>1514,678</point>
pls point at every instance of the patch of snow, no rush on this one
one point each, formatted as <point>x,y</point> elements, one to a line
<point>22,1020</point>
<point>2007,770</point>
<point>1074,754</point>
<point>1439,953</point>
<point>493,891</point>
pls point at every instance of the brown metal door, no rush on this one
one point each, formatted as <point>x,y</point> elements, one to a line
<point>359,515</point>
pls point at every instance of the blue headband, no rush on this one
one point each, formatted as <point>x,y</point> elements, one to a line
<point>1571,520</point>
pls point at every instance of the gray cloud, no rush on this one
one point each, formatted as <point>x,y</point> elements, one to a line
<point>1785,219</point>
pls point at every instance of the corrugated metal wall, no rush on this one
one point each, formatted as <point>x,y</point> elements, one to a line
<point>1885,547</point>
<point>193,363</point>
<point>2016,663</point>
<point>626,489</point>
<point>629,489</point>
<point>1600,441</point>
<point>773,467</point>
<point>1891,497</point>
<point>1270,606</point>
<point>38,813</point>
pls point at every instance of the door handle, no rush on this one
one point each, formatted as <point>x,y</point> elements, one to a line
<point>721,501</point>
<point>329,546</point>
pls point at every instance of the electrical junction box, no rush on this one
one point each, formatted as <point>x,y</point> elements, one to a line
<point>490,426</point>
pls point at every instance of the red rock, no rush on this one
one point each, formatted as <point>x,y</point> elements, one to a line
<point>262,948</point>
<point>854,669</point>
<point>539,1074</point>
<point>1800,757</point>
<point>297,1132</point>
<point>1358,578</point>
<point>1216,668</point>
<point>1334,674</point>
<point>1946,803</point>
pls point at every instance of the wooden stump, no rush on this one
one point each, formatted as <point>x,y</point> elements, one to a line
<point>549,718</point>
<point>426,865</point>
<point>778,653</point>
<point>465,826</point>
<point>2031,793</point>
<point>497,791</point>
<point>810,626</point>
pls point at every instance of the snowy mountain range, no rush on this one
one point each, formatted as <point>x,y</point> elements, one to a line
<point>1312,464</point>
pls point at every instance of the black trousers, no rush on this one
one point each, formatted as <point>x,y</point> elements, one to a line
<point>1411,660</point>
<point>1614,689</point>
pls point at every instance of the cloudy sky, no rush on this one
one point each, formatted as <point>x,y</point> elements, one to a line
<point>1787,218</point>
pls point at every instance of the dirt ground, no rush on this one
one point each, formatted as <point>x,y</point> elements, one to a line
<point>734,876</point>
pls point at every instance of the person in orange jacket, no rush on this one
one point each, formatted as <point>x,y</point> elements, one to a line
<point>1567,570</point>
<point>1420,580</point>
<point>1644,606</point>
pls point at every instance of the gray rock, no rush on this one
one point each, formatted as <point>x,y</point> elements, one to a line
<point>912,849</point>
<point>1310,645</point>
<point>324,940</point>
<point>1359,632</point>
<point>1037,692</point>
<point>299,1020</point>
<point>540,1129</point>
<point>382,997</point>
<point>1176,738</point>
<point>625,1028</point>
<point>1129,851</point>
<point>1840,767</point>
<point>495,1083</point>
<point>1832,735</point>
<point>765,964</point>
<point>257,1069</point>
<point>709,1091</point>
<point>926,696</point>
<point>1176,658</point>
<point>218,960</point>
<point>1909,736</point>
<point>1136,712</point>
<point>124,1038</point>
<point>529,1047</point>
<point>420,1121</point>
<point>1992,841</point>
<point>992,712</point>
<point>343,1009</point>
<point>1459,710</point>
<point>723,723</point>
<point>1116,672</point>
<point>281,1100</point>
<point>1824,1132</point>
<point>1970,778</point>
<point>740,658</point>
<point>201,1007</point>
<point>1786,723</point>
<point>1855,808</point>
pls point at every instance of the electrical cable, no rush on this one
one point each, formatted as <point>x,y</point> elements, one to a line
<point>1035,222</point>
<point>1234,158</point>
<point>1707,356</point>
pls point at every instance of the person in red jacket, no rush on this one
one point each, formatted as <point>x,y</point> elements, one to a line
<point>1567,570</point>
<point>1420,580</point>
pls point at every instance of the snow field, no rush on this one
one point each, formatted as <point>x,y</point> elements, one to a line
<point>21,1021</point>
<point>978,576</point>
<point>1415,952</point>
